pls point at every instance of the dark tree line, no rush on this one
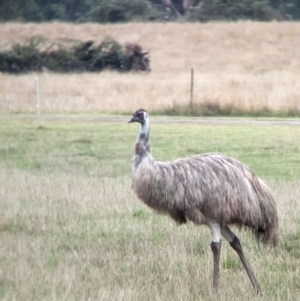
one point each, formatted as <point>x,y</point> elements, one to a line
<point>104,11</point>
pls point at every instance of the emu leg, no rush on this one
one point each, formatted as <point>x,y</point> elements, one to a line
<point>236,245</point>
<point>216,249</point>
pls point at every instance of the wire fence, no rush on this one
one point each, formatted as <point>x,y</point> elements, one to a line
<point>35,94</point>
<point>188,94</point>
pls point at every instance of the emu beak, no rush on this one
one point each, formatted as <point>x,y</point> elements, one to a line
<point>133,119</point>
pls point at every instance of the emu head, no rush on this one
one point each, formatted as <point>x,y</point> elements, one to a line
<point>140,116</point>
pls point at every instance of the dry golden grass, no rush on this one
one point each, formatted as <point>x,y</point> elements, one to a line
<point>82,238</point>
<point>248,65</point>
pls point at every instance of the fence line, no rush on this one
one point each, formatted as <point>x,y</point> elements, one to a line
<point>38,102</point>
<point>83,95</point>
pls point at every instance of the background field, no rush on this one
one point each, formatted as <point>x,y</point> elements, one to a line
<point>70,225</point>
<point>240,68</point>
<point>72,229</point>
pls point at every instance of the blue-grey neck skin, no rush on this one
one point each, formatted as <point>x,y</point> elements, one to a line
<point>144,133</point>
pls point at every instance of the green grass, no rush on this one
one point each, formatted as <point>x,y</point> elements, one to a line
<point>214,108</point>
<point>72,229</point>
<point>105,149</point>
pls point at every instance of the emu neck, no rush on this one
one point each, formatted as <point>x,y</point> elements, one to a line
<point>144,133</point>
<point>142,146</point>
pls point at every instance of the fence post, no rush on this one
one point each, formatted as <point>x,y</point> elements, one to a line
<point>192,90</point>
<point>38,100</point>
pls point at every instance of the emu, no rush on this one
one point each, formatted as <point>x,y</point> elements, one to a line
<point>210,189</point>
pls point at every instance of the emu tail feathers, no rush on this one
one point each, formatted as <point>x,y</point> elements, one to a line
<point>267,229</point>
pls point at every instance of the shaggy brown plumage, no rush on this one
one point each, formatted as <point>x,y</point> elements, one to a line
<point>210,189</point>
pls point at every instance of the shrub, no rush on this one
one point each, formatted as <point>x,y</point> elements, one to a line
<point>37,54</point>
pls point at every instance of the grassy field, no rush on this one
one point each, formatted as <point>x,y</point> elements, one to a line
<point>239,68</point>
<point>72,229</point>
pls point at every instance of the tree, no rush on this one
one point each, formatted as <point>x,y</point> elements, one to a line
<point>180,7</point>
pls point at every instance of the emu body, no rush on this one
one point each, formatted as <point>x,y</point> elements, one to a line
<point>210,189</point>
